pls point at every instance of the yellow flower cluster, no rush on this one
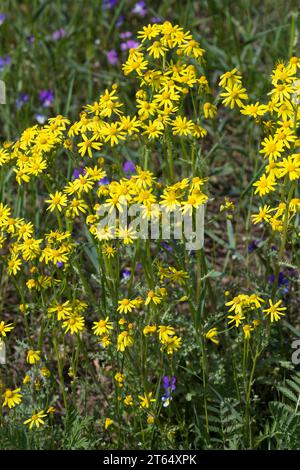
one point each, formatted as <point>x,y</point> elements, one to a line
<point>17,236</point>
<point>241,309</point>
<point>279,119</point>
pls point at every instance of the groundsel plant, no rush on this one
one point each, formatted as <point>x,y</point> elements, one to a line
<point>106,308</point>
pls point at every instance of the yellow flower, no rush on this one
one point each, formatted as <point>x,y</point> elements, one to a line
<point>157,49</point>
<point>152,296</point>
<point>149,329</point>
<point>272,147</point>
<point>150,419</point>
<point>290,166</point>
<point>274,310</point>
<point>102,327</point>
<point>125,306</point>
<point>58,200</point>
<point>108,422</point>
<point>247,331</point>
<point>148,32</point>
<point>12,398</point>
<point>263,214</point>
<point>109,251</point>
<point>191,48</point>
<point>124,341</point>
<point>45,372</point>
<point>165,332</point>
<point>113,132</point>
<point>105,341</point>
<point>128,400</point>
<point>88,145</point>
<point>33,356</point>
<point>120,379</point>
<point>254,110</point>
<point>265,185</point>
<point>61,309</point>
<point>234,96</point>
<point>13,265</point>
<point>237,303</point>
<point>51,410</point>
<point>237,319</point>
<point>73,323</point>
<point>209,110</point>
<point>135,62</point>
<point>171,344</point>
<point>146,400</point>
<point>153,129</point>
<point>5,328</point>
<point>212,335</point>
<point>230,78</point>
<point>182,126</point>
<point>36,419</point>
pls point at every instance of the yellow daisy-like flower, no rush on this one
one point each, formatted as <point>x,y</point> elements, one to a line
<point>265,185</point>
<point>33,356</point>
<point>212,335</point>
<point>102,327</point>
<point>274,310</point>
<point>58,200</point>
<point>36,419</point>
<point>237,319</point>
<point>125,306</point>
<point>124,341</point>
<point>74,323</point>
<point>5,328</point>
<point>263,214</point>
<point>234,96</point>
<point>12,398</point>
<point>153,297</point>
<point>146,400</point>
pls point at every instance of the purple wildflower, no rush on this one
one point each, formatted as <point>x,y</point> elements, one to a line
<point>21,100</point>
<point>41,119</point>
<point>112,57</point>
<point>4,61</point>
<point>59,264</point>
<point>104,181</point>
<point>30,39</point>
<point>2,18</point>
<point>58,34</point>
<point>77,172</point>
<point>109,4</point>
<point>130,44</point>
<point>125,35</point>
<point>120,21</point>
<point>169,384</point>
<point>155,19</point>
<point>129,167</point>
<point>140,9</point>
<point>252,246</point>
<point>282,281</point>
<point>126,273</point>
<point>167,246</point>
<point>46,98</point>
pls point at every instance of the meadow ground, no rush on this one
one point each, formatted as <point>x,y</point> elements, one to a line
<point>111,340</point>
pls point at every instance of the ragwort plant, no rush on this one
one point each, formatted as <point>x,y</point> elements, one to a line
<point>123,329</point>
